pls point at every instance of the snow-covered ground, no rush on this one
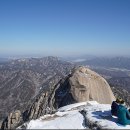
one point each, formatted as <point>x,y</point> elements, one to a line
<point>101,116</point>
<point>70,117</point>
<point>60,120</point>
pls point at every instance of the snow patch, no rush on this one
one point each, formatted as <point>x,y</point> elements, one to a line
<point>72,106</point>
<point>63,120</point>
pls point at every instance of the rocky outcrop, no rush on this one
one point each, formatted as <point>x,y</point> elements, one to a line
<point>13,120</point>
<point>84,85</point>
<point>81,85</point>
<point>87,85</point>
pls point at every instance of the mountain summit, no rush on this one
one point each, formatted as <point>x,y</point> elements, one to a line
<point>87,85</point>
<point>81,85</point>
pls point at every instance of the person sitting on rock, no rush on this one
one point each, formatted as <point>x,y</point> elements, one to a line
<point>115,106</point>
<point>123,114</point>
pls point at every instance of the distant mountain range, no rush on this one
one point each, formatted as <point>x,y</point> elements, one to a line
<point>111,62</point>
<point>3,60</point>
<point>22,79</point>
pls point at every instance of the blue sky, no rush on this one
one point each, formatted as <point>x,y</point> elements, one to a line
<point>64,27</point>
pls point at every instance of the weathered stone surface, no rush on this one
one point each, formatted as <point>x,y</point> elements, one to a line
<point>13,120</point>
<point>83,85</point>
<point>87,85</point>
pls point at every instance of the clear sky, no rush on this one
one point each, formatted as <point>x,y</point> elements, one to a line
<point>64,27</point>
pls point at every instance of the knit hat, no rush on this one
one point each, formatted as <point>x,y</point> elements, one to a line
<point>119,100</point>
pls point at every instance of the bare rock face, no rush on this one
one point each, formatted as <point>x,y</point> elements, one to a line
<point>83,85</point>
<point>12,121</point>
<point>87,85</point>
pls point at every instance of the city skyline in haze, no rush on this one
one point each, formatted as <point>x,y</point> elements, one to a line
<point>64,27</point>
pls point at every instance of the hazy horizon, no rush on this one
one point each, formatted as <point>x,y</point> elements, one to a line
<point>75,57</point>
<point>30,28</point>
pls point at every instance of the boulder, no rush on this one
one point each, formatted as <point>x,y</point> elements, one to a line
<point>83,85</point>
<point>13,120</point>
<point>87,85</point>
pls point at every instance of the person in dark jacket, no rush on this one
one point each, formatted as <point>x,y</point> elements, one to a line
<point>123,115</point>
<point>115,106</point>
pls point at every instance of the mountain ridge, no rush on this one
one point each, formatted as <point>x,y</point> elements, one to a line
<point>47,102</point>
<point>22,79</point>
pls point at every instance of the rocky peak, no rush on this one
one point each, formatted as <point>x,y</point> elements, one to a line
<point>82,84</point>
<point>88,85</point>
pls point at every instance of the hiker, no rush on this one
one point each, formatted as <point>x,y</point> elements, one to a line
<point>115,106</point>
<point>123,114</point>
